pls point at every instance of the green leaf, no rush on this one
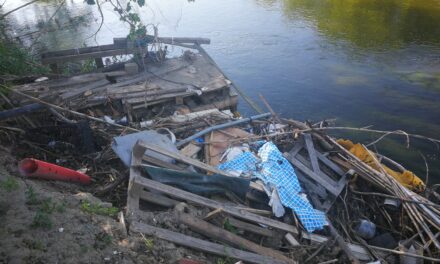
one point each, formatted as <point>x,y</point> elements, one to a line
<point>141,2</point>
<point>90,2</point>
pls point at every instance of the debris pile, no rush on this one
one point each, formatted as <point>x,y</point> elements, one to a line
<point>261,189</point>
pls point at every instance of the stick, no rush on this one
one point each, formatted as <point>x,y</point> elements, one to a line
<point>343,244</point>
<point>269,108</point>
<point>15,9</point>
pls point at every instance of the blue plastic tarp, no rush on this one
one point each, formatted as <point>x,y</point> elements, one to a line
<point>272,168</point>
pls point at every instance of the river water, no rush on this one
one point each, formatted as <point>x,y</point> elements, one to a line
<point>362,62</point>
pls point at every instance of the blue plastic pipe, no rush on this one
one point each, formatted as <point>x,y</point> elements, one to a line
<point>221,126</point>
<point>18,111</point>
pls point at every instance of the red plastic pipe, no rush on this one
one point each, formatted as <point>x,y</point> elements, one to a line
<point>39,169</point>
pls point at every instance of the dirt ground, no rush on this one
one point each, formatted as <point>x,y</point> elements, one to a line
<point>40,223</point>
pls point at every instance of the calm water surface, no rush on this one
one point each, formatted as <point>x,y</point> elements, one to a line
<point>364,62</point>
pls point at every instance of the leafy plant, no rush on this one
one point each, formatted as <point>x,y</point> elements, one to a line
<point>18,61</point>
<point>102,240</point>
<point>128,15</point>
<point>34,244</point>
<point>10,184</point>
<point>229,227</point>
<point>148,242</point>
<point>87,207</point>
<point>41,219</point>
<point>31,196</point>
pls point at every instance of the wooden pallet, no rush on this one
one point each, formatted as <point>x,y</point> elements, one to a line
<point>318,183</point>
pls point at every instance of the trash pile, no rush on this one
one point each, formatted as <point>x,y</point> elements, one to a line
<point>261,189</point>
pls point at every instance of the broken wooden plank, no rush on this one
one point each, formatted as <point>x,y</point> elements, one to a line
<point>325,183</point>
<point>250,227</point>
<point>312,153</point>
<point>78,92</point>
<point>157,199</point>
<point>160,163</point>
<point>212,214</point>
<point>214,232</point>
<point>200,244</point>
<point>182,158</point>
<point>292,241</point>
<point>330,164</point>
<point>190,150</point>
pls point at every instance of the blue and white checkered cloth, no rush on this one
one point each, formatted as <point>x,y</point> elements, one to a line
<point>272,168</point>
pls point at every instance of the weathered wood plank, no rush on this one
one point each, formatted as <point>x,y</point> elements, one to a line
<point>157,199</point>
<point>250,227</point>
<point>89,55</point>
<point>330,164</point>
<point>296,148</point>
<point>200,244</point>
<point>292,241</point>
<point>190,150</point>
<point>214,232</point>
<point>312,153</point>
<point>182,158</point>
<point>325,183</point>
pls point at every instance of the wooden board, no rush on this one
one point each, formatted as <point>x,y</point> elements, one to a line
<point>200,244</point>
<point>214,232</point>
<point>216,150</point>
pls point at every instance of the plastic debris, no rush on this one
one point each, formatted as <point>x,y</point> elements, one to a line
<point>273,168</point>
<point>39,169</point>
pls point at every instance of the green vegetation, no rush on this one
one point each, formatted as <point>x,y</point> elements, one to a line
<point>10,184</point>
<point>34,244</point>
<point>31,196</point>
<point>149,243</point>
<point>42,219</point>
<point>229,227</point>
<point>102,240</point>
<point>44,207</point>
<point>17,61</point>
<point>87,207</point>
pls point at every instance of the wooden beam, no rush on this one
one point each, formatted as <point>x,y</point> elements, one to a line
<point>157,199</point>
<point>292,241</point>
<point>312,153</point>
<point>85,56</point>
<point>202,245</point>
<point>216,233</point>
<point>325,183</point>
<point>250,227</point>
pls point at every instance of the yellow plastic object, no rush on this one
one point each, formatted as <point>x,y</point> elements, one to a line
<point>406,178</point>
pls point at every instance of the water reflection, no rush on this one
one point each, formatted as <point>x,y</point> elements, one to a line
<point>372,23</point>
